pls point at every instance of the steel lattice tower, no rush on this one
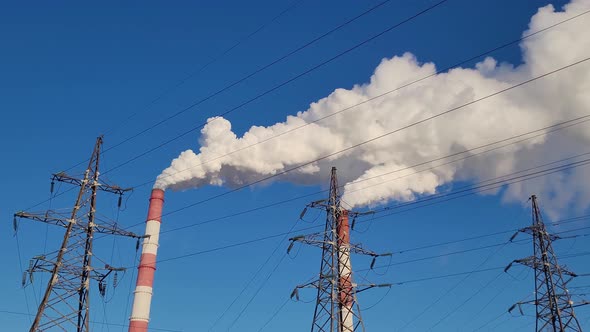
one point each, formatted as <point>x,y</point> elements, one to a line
<point>337,308</point>
<point>65,305</point>
<point>553,303</point>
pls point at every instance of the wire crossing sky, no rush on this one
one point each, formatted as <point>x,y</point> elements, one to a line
<point>442,118</point>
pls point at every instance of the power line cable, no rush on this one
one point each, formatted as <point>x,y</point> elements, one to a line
<point>194,74</point>
<point>478,190</point>
<point>257,292</point>
<point>575,219</point>
<point>307,44</point>
<point>210,62</point>
<point>468,274</point>
<point>221,248</point>
<point>479,187</point>
<point>502,46</point>
<point>255,72</point>
<point>483,308</point>
<point>420,200</point>
<point>543,131</point>
<point>10,312</point>
<point>503,313</point>
<point>454,310</point>
<point>471,155</point>
<point>20,264</point>
<point>449,275</point>
<point>429,118</point>
<point>279,245</point>
<point>432,304</point>
<point>443,255</point>
<point>470,190</point>
<point>276,87</point>
<point>128,302</point>
<point>274,315</point>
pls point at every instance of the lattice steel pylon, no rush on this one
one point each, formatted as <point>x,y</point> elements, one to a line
<point>337,308</point>
<point>553,303</point>
<point>65,304</point>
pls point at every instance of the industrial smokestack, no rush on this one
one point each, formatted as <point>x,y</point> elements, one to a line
<point>345,289</point>
<point>140,314</point>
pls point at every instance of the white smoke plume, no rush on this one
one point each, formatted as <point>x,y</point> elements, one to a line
<point>559,97</point>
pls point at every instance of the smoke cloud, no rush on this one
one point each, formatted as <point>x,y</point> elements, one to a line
<point>559,97</point>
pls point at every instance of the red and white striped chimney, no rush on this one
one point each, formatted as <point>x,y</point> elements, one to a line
<point>345,288</point>
<point>140,314</point>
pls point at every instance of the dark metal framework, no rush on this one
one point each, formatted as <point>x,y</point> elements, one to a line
<point>553,303</point>
<point>336,300</point>
<point>65,304</point>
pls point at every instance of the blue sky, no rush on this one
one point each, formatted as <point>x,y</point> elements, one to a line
<point>70,72</point>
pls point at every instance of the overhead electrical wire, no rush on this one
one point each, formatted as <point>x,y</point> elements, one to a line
<point>275,314</point>
<point>413,124</point>
<point>495,245</point>
<point>279,245</point>
<point>93,322</point>
<point>503,313</point>
<point>468,273</point>
<point>20,264</point>
<point>551,129</point>
<point>464,191</point>
<point>278,86</point>
<point>257,291</point>
<point>283,234</point>
<point>449,275</point>
<point>456,65</point>
<point>398,283</point>
<point>485,306</point>
<point>448,291</point>
<point>494,49</point>
<point>424,258</point>
<point>195,73</point>
<point>435,277</point>
<point>580,254</point>
<point>239,244</point>
<point>264,93</point>
<point>255,72</point>
<point>451,312</point>
<point>215,59</point>
<point>464,302</point>
<point>401,251</point>
<point>471,190</point>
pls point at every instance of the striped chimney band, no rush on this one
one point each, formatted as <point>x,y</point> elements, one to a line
<point>140,314</point>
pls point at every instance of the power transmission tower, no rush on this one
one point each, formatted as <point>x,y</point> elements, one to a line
<point>65,304</point>
<point>553,303</point>
<point>336,309</point>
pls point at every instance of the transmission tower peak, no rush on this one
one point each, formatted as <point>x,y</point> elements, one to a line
<point>553,302</point>
<point>65,304</point>
<point>337,308</point>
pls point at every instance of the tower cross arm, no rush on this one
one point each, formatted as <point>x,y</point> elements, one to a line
<point>53,218</point>
<point>359,249</point>
<point>314,239</point>
<point>63,177</point>
<point>364,287</point>
<point>48,217</point>
<point>582,303</point>
<point>114,230</point>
